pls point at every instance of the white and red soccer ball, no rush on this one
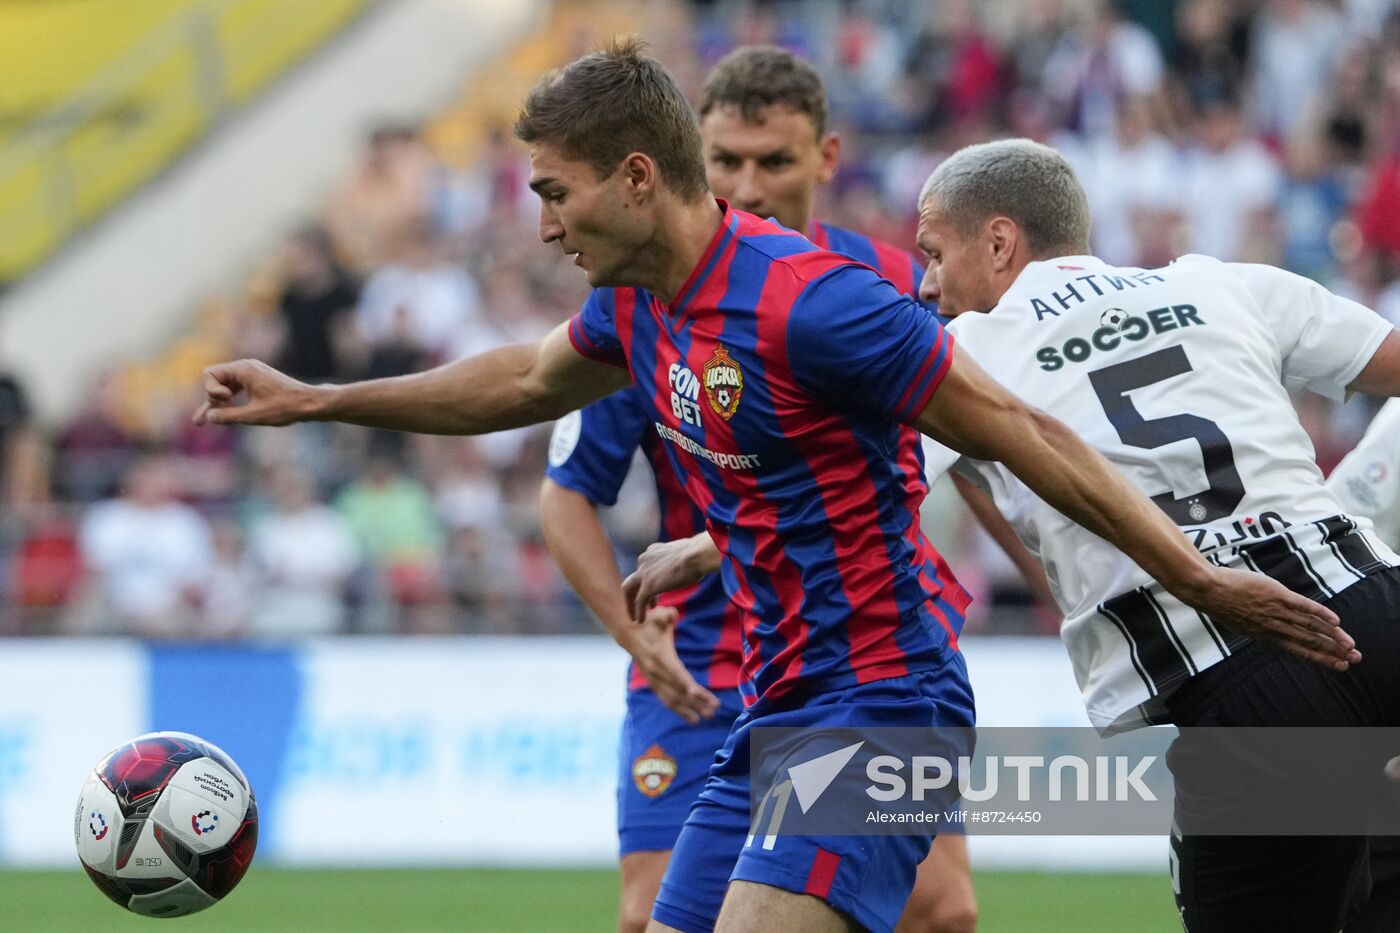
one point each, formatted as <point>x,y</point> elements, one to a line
<point>166,824</point>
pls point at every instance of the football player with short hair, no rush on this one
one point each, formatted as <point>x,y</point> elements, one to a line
<point>767,150</point>
<point>1180,376</point>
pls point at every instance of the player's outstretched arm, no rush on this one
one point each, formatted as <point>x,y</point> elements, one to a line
<point>504,388</point>
<point>971,413</point>
<point>576,538</point>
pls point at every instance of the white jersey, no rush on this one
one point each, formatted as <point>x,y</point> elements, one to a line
<point>1368,481</point>
<point>1180,377</point>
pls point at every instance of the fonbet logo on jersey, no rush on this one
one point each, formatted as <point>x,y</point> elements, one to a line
<point>685,394</point>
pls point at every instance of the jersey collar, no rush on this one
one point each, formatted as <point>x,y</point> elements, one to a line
<point>1057,266</point>
<point>1068,263</point>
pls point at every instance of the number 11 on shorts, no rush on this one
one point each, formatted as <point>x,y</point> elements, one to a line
<point>778,796</point>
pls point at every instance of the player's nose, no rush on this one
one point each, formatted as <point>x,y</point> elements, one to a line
<point>748,194</point>
<point>929,290</point>
<point>550,227</point>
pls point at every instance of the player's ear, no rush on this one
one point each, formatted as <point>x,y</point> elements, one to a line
<point>1003,241</point>
<point>640,173</point>
<point>830,158</point>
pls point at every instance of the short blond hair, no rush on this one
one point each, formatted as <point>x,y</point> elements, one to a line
<point>1021,179</point>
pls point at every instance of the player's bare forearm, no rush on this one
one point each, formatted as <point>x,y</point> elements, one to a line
<point>503,388</point>
<point>984,509</point>
<point>576,538</point>
<point>491,392</point>
<point>703,554</point>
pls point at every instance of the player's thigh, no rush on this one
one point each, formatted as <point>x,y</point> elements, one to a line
<point>943,900</point>
<point>1302,884</point>
<point>694,885</point>
<point>1231,775</point>
<point>641,879</point>
<point>868,878</point>
<point>750,907</point>
<point>1381,912</point>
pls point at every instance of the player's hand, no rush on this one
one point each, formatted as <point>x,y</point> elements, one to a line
<point>1264,608</point>
<point>654,652</point>
<point>663,567</point>
<point>252,392</point>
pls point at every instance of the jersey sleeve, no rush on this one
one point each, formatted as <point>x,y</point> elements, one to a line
<point>591,449</point>
<point>1367,481</point>
<point>856,343</point>
<point>1325,340</point>
<point>593,331</point>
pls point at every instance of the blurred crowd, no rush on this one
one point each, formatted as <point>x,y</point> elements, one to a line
<point>1256,130</point>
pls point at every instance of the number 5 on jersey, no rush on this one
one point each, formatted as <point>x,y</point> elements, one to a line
<point>1112,385</point>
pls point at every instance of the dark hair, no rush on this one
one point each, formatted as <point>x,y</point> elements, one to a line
<point>753,77</point>
<point>608,104</point>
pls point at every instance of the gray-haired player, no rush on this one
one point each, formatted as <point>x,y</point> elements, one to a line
<point>1180,377</point>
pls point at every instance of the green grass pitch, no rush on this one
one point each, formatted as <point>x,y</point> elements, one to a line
<point>271,900</point>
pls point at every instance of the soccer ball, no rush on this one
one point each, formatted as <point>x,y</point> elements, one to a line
<point>166,824</point>
<point>1114,318</point>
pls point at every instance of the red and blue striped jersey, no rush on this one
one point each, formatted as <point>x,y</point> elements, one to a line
<point>592,454</point>
<point>904,273</point>
<point>779,382</point>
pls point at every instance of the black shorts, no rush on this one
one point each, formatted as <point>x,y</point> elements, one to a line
<point>1301,884</point>
<point>1380,913</point>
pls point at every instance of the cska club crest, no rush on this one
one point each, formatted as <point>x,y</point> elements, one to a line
<point>724,383</point>
<point>653,771</point>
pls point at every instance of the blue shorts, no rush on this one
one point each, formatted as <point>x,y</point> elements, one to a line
<point>868,878</point>
<point>662,765</point>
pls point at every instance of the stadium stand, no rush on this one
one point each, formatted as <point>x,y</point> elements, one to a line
<point>1169,119</point>
<point>97,97</point>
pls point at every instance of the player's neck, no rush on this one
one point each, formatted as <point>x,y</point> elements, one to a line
<point>805,224</point>
<point>1002,279</point>
<point>683,236</point>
